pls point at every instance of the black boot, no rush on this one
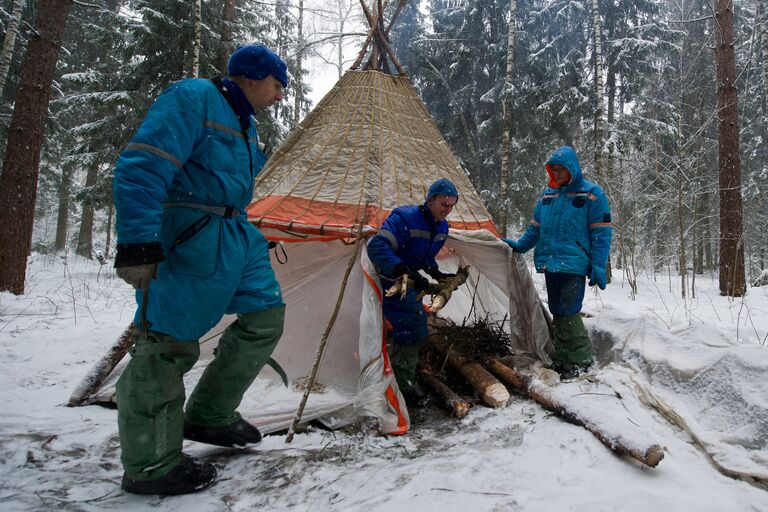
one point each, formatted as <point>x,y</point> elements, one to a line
<point>190,475</point>
<point>239,433</point>
<point>569,371</point>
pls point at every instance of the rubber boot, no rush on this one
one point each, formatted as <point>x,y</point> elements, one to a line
<point>243,350</point>
<point>188,476</point>
<point>404,360</point>
<point>150,401</point>
<point>572,345</point>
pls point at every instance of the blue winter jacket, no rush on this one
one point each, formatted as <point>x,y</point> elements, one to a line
<point>191,149</point>
<point>571,225</point>
<point>410,236</point>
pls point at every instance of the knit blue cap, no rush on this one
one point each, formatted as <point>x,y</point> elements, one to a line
<point>256,61</point>
<point>444,187</point>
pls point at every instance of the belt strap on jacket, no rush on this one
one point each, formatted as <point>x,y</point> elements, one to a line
<point>221,211</point>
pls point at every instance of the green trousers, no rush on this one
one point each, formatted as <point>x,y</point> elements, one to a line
<point>150,392</point>
<point>572,343</point>
<point>404,359</point>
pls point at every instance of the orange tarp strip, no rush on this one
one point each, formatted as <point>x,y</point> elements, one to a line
<point>327,219</point>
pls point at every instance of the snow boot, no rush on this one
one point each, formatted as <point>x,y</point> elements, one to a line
<point>572,344</point>
<point>569,371</point>
<point>150,404</point>
<point>188,476</point>
<point>239,433</point>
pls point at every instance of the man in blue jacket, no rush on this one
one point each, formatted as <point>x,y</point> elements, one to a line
<point>408,242</point>
<point>571,230</point>
<point>181,187</point>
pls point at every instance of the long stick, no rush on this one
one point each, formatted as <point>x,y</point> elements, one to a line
<point>326,334</point>
<point>651,456</point>
<point>95,377</point>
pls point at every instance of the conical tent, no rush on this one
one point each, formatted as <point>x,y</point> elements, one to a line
<point>370,140</point>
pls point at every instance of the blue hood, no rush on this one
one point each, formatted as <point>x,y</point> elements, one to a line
<point>565,156</point>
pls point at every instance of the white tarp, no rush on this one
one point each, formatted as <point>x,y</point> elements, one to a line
<point>352,380</point>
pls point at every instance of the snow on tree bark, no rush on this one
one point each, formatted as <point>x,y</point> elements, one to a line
<point>11,31</point>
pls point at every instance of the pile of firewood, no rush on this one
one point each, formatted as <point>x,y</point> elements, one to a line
<point>461,360</point>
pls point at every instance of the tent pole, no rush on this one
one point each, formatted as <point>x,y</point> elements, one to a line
<point>324,340</point>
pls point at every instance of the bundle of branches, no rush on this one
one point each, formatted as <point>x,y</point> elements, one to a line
<point>451,358</point>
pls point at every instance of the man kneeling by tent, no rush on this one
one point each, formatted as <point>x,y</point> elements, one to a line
<point>408,242</point>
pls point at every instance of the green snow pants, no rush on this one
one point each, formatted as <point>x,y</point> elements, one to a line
<point>150,392</point>
<point>404,359</point>
<point>572,343</point>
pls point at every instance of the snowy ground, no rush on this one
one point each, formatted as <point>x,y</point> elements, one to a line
<point>688,374</point>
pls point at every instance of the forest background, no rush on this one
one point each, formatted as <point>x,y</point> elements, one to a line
<point>631,84</point>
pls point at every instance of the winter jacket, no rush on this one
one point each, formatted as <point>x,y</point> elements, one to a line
<point>410,238</point>
<point>183,183</point>
<point>571,225</point>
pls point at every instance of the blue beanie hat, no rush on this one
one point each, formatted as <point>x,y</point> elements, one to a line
<point>256,61</point>
<point>444,187</point>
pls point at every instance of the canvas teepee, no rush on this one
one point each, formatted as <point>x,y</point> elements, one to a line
<point>369,146</point>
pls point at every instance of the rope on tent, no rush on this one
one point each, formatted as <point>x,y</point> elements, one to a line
<point>324,340</point>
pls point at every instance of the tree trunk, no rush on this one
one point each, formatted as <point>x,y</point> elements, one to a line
<point>732,280</point>
<point>21,165</point>
<point>62,218</point>
<point>11,31</point>
<point>198,27</point>
<point>599,105</point>
<point>228,18</point>
<point>108,242</point>
<point>85,236</point>
<point>506,123</point>
<point>763,27</point>
<point>299,96</point>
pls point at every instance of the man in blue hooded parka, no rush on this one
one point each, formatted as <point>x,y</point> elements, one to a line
<point>571,230</point>
<point>407,243</point>
<point>181,187</point>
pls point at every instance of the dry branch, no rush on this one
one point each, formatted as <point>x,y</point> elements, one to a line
<point>526,385</point>
<point>95,377</point>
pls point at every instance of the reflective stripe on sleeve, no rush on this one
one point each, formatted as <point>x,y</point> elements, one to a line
<point>138,146</point>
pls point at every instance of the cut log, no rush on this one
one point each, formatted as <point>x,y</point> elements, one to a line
<point>453,402</point>
<point>532,388</point>
<point>491,391</point>
<point>101,370</point>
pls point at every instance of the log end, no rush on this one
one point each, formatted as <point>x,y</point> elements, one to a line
<point>460,410</point>
<point>654,455</point>
<point>496,395</point>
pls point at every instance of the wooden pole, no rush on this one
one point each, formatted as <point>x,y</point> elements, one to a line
<point>524,384</point>
<point>324,340</point>
<point>101,370</point>
<point>453,402</point>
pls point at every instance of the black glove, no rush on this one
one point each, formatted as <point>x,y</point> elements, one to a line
<point>136,264</point>
<point>437,275</point>
<point>420,283</point>
<point>400,269</point>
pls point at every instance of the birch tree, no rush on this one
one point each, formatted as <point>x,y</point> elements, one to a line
<point>198,41</point>
<point>11,31</point>
<point>506,114</point>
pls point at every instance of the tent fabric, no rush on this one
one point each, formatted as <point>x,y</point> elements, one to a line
<point>369,140</point>
<point>354,380</point>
